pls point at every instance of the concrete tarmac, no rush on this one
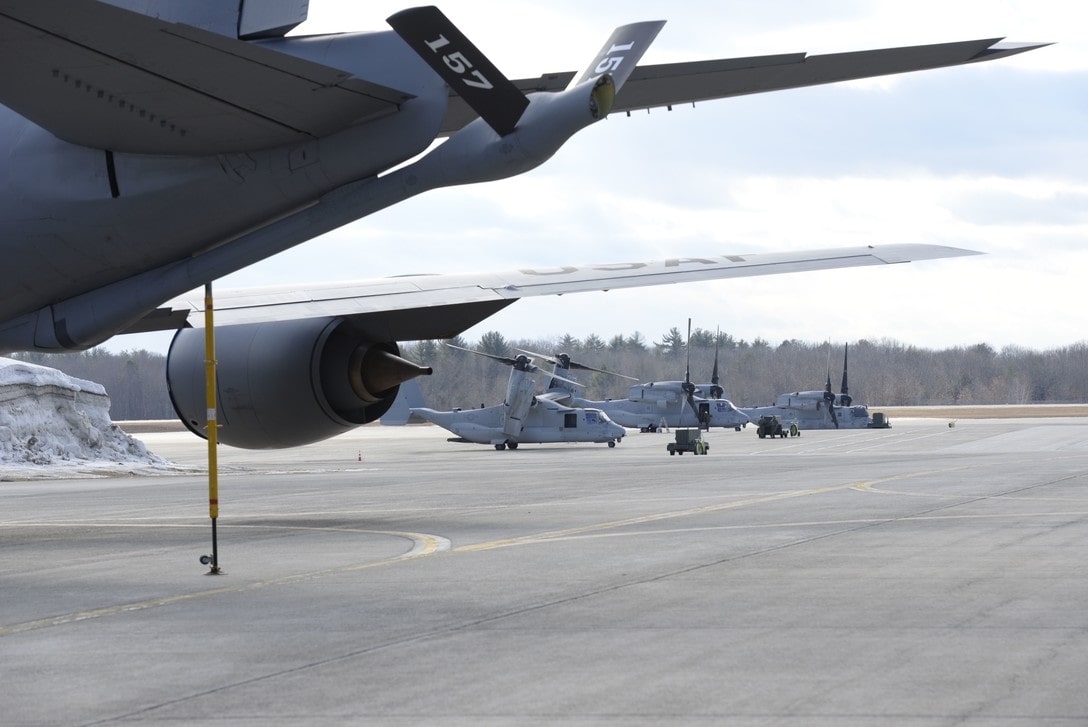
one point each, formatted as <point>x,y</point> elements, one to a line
<point>918,575</point>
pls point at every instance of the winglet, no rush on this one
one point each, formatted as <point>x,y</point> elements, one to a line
<point>461,65</point>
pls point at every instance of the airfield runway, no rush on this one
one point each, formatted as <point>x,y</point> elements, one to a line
<point>918,575</point>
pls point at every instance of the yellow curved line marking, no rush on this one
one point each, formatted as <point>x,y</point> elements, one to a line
<point>422,545</point>
<point>811,523</point>
<point>869,486</point>
<point>642,519</point>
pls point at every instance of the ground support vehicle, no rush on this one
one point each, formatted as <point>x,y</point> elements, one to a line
<point>771,426</point>
<point>689,440</point>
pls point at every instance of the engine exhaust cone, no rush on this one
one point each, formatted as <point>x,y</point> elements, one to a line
<point>375,372</point>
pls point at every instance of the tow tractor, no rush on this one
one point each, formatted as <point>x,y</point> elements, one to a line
<point>771,426</point>
<point>689,440</point>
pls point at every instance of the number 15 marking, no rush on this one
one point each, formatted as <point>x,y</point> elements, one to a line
<point>459,64</point>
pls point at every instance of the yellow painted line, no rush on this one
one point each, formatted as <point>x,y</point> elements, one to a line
<point>814,523</point>
<point>869,486</point>
<point>656,517</point>
<point>422,545</point>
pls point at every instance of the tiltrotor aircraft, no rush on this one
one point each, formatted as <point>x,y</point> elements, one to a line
<point>819,409</point>
<point>658,404</point>
<point>523,417</point>
<point>150,148</point>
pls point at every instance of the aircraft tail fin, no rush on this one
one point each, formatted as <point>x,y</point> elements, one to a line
<point>462,66</point>
<point>621,52</point>
<point>493,96</point>
<point>409,397</point>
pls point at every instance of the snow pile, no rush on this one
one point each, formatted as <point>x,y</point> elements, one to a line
<point>48,418</point>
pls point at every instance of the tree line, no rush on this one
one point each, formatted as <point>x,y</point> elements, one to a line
<point>881,373</point>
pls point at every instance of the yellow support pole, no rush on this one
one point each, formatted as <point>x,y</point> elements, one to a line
<point>213,426</point>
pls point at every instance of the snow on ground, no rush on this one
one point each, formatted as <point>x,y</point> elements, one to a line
<point>53,425</point>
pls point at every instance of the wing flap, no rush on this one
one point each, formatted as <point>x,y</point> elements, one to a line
<point>104,77</point>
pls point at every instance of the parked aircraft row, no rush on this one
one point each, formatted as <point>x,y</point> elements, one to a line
<point>152,148</point>
<point>562,414</point>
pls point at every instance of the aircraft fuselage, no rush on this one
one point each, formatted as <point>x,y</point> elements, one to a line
<point>814,414</point>
<point>546,422</point>
<point>76,219</point>
<point>674,411</point>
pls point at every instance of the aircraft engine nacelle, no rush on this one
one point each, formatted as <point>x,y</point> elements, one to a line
<point>662,397</point>
<point>286,383</point>
<point>801,403</point>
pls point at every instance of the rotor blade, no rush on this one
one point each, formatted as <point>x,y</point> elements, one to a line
<point>462,66</point>
<point>688,387</point>
<point>716,391</point>
<point>829,395</point>
<point>534,354</point>
<point>584,367</point>
<point>714,376</point>
<point>687,350</point>
<point>563,361</point>
<point>556,376</point>
<point>504,359</point>
<point>846,352</point>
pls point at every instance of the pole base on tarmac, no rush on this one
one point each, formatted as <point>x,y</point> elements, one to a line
<point>213,559</point>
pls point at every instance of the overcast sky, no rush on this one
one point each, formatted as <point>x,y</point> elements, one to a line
<point>992,157</point>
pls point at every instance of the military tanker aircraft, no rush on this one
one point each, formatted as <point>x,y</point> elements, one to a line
<point>150,148</point>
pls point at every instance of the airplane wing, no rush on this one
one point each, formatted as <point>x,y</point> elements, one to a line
<point>657,86</point>
<point>419,307</point>
<point>107,78</point>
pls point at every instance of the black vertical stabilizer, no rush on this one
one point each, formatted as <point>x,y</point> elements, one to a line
<point>461,65</point>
